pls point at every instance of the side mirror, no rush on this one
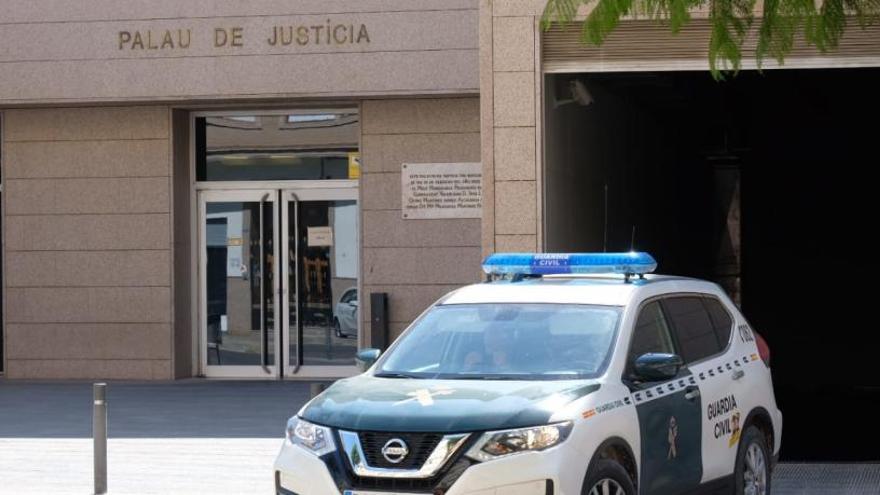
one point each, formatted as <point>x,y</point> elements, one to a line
<point>366,358</point>
<point>654,367</point>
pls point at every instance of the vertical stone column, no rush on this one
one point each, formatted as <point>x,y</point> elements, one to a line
<point>510,84</point>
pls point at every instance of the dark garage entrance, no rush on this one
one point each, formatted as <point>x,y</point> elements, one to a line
<point>761,183</point>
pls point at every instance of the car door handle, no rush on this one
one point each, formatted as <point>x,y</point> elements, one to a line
<point>738,374</point>
<point>691,393</point>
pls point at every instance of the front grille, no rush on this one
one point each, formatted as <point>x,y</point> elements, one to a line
<point>339,465</point>
<point>420,446</point>
<point>438,485</point>
<point>395,484</point>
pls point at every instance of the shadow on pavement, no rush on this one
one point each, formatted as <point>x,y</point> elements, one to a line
<point>180,409</point>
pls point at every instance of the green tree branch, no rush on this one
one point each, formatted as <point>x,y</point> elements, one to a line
<point>822,25</point>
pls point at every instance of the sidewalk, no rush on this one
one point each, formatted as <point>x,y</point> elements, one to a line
<point>200,436</point>
<point>188,437</point>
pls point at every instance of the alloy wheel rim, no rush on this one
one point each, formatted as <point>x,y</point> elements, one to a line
<point>755,472</point>
<point>607,486</point>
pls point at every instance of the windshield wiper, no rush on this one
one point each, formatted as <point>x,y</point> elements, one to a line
<point>394,374</point>
<point>488,377</point>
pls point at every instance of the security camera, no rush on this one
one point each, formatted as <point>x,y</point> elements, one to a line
<point>580,93</point>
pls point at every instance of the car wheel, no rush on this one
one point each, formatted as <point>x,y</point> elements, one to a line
<point>337,328</point>
<point>607,477</point>
<point>752,472</point>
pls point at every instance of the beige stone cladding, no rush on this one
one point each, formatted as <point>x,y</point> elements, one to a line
<point>510,124</point>
<point>87,243</point>
<point>414,261</point>
<point>57,51</point>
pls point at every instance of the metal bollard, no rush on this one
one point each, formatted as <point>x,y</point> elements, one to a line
<point>316,388</point>
<point>99,434</point>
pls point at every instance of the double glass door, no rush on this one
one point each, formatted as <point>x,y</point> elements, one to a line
<point>279,282</point>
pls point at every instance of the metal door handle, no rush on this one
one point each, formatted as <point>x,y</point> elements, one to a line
<point>738,374</point>
<point>264,354</point>
<point>691,393</point>
<point>295,295</point>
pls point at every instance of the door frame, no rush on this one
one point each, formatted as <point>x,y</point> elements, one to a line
<point>305,190</point>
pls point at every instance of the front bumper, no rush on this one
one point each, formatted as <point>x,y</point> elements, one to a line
<point>298,472</point>
<point>301,473</point>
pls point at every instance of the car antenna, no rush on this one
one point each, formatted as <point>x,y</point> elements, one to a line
<point>605,233</point>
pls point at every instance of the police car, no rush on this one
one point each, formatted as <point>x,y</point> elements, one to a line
<point>565,374</point>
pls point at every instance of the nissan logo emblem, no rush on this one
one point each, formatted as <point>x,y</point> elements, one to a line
<point>395,451</point>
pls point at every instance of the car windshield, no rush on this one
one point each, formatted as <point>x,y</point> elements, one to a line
<point>505,341</point>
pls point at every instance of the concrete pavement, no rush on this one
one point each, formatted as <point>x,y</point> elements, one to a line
<point>188,437</point>
<point>217,437</point>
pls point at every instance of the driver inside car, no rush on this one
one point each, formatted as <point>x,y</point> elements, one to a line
<point>495,356</point>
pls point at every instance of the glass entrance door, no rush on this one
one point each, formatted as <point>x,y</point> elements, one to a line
<point>239,283</point>
<point>320,232</point>
<point>279,282</point>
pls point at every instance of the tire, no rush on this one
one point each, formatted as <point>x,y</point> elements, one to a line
<point>338,328</point>
<point>751,476</point>
<point>607,473</point>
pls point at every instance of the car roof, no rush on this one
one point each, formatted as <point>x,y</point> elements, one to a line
<point>605,290</point>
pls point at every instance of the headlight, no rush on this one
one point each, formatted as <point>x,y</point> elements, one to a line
<point>316,439</point>
<point>495,444</point>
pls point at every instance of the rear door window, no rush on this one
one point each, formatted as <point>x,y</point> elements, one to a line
<point>721,320</point>
<point>693,327</point>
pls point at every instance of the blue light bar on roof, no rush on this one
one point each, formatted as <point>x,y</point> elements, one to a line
<point>563,263</point>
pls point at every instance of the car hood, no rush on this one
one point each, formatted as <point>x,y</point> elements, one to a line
<point>368,403</point>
